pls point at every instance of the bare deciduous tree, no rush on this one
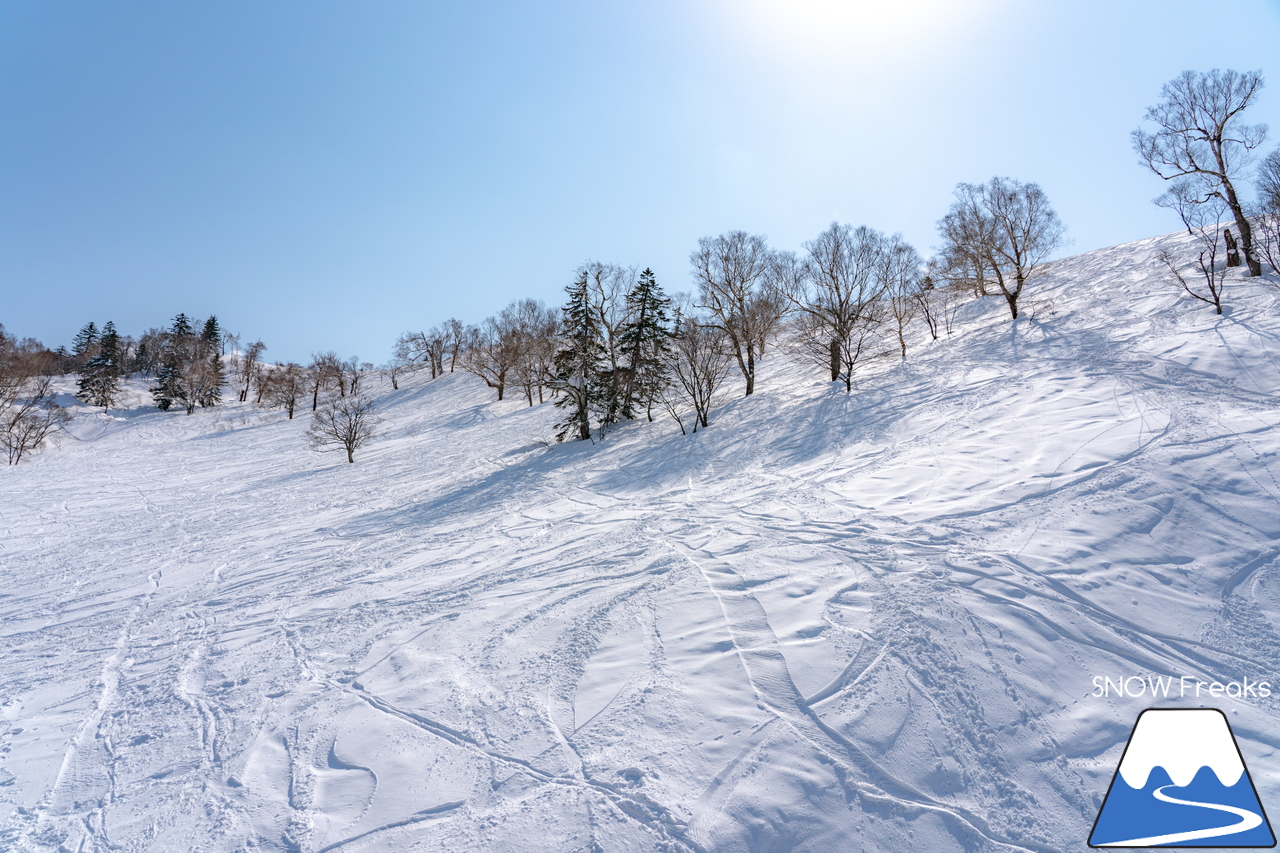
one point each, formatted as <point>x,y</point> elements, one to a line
<point>537,325</point>
<point>1268,217</point>
<point>423,349</point>
<point>938,305</point>
<point>495,348</point>
<point>1004,229</point>
<point>247,366</point>
<point>149,353</point>
<point>343,423</point>
<point>324,371</point>
<point>284,386</point>
<point>1202,219</point>
<point>607,288</point>
<point>29,412</point>
<point>835,290</point>
<point>455,336</point>
<point>1201,142</point>
<point>697,365</point>
<point>900,269</point>
<point>959,261</point>
<point>354,370</point>
<point>732,272</point>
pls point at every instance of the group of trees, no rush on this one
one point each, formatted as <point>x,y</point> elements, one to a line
<point>618,348</point>
<point>1268,214</point>
<point>191,369</point>
<point>188,367</point>
<point>29,410</point>
<point>613,355</point>
<point>1202,147</point>
<point>621,348</point>
<point>851,295</point>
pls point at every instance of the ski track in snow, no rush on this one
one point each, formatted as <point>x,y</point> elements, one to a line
<point>828,622</point>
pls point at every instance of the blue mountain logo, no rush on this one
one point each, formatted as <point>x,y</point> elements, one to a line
<point>1182,782</point>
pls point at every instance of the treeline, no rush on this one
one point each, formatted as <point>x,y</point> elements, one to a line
<point>188,366</point>
<point>193,365</point>
<point>620,347</point>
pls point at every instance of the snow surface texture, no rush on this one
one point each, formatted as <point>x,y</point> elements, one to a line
<point>830,622</point>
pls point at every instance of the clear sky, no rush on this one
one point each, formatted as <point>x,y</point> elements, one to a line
<point>325,175</point>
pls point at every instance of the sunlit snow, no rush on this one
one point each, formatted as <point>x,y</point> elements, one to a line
<point>829,622</point>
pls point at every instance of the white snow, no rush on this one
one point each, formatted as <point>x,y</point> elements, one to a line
<point>829,622</point>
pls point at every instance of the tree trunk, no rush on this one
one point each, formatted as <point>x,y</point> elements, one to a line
<point>1246,231</point>
<point>1012,299</point>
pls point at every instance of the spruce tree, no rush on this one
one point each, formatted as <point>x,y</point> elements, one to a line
<point>175,373</point>
<point>100,377</point>
<point>580,365</point>
<point>645,342</point>
<point>181,327</point>
<point>211,373</point>
<point>85,344</point>
<point>212,333</point>
<point>167,389</point>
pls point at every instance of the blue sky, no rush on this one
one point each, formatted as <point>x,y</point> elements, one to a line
<point>325,175</point>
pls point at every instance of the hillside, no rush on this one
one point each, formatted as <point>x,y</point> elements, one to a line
<point>831,621</point>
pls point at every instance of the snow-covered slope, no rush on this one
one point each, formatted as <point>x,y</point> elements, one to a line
<point>829,622</point>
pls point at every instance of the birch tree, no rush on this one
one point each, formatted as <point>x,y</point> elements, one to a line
<point>732,272</point>
<point>1201,141</point>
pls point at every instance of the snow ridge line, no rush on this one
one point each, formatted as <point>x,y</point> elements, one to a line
<point>766,669</point>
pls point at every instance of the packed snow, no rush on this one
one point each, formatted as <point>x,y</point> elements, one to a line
<point>874,621</point>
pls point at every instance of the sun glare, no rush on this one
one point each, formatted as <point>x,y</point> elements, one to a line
<point>834,26</point>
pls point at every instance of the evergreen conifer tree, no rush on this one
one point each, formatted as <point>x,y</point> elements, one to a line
<point>85,344</point>
<point>211,373</point>
<point>212,333</point>
<point>173,379</point>
<point>580,364</point>
<point>167,389</point>
<point>100,377</point>
<point>181,327</point>
<point>645,342</point>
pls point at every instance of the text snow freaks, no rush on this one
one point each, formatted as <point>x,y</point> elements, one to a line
<point>1176,687</point>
